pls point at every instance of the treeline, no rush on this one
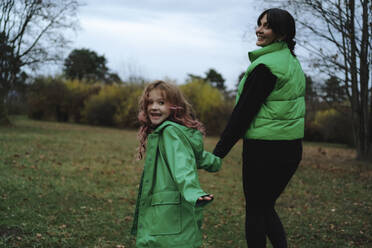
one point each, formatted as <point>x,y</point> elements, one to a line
<point>116,105</point>
<point>328,112</point>
<point>328,117</point>
<point>88,92</point>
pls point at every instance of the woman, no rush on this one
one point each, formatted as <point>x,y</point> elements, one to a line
<point>269,115</point>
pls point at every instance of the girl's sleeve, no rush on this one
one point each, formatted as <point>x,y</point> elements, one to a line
<point>258,86</point>
<point>182,164</point>
<point>209,162</point>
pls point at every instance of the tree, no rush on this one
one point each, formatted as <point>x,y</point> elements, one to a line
<point>334,92</point>
<point>215,79</point>
<point>112,77</point>
<point>9,73</point>
<point>212,77</point>
<point>192,77</point>
<point>30,34</point>
<point>312,98</point>
<point>341,45</point>
<point>88,65</point>
<point>240,77</point>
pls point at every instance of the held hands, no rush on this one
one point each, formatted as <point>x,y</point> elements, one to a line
<point>204,199</point>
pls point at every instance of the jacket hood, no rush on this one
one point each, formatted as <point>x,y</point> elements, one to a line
<point>194,136</point>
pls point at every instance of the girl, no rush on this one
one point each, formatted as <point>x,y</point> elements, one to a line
<point>170,200</point>
<point>269,116</point>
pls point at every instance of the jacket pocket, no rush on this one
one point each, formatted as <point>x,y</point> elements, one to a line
<point>166,213</point>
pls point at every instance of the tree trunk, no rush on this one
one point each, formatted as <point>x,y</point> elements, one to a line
<point>347,24</point>
<point>365,153</point>
<point>4,118</point>
<point>355,106</point>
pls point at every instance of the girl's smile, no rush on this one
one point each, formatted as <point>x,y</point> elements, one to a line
<point>158,108</point>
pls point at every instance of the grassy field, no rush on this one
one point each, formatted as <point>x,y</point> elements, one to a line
<point>67,185</point>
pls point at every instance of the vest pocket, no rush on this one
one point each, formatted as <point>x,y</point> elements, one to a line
<point>166,213</point>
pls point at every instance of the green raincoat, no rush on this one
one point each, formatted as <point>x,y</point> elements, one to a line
<point>166,212</point>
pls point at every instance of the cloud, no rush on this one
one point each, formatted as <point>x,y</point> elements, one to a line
<point>169,38</point>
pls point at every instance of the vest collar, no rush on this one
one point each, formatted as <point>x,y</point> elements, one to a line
<point>253,55</point>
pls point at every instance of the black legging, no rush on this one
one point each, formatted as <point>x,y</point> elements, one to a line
<point>267,168</point>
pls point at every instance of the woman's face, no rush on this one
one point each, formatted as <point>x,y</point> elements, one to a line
<point>265,35</point>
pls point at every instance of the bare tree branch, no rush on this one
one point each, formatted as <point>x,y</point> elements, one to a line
<point>30,34</point>
<point>345,50</point>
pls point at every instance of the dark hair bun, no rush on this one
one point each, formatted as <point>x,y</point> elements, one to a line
<point>291,44</point>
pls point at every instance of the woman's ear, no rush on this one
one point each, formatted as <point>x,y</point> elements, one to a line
<point>281,38</point>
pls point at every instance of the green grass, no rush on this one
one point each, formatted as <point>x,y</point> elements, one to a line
<point>68,185</point>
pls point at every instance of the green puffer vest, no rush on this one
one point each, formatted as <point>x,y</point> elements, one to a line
<point>282,116</point>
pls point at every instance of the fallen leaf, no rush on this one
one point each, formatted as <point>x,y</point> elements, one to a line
<point>128,218</point>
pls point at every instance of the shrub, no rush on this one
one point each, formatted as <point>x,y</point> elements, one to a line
<point>313,132</point>
<point>209,105</point>
<point>334,126</point>
<point>117,105</point>
<point>100,109</point>
<point>126,113</point>
<point>16,103</point>
<point>46,99</point>
<point>79,92</point>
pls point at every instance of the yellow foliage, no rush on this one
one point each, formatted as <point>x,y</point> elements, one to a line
<point>203,97</point>
<point>126,113</point>
<point>114,105</point>
<point>323,115</point>
<point>76,86</point>
<point>209,104</point>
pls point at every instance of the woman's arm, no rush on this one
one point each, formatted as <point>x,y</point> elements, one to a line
<point>257,88</point>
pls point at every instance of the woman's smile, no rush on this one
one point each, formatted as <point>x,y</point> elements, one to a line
<point>264,33</point>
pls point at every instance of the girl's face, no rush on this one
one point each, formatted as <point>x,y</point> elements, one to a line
<point>158,108</point>
<point>265,35</point>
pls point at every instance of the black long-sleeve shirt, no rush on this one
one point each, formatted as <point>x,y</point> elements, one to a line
<point>258,86</point>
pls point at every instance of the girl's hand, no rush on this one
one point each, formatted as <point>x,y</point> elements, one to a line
<point>204,198</point>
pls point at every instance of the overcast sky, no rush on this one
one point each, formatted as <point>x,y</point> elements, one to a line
<point>167,38</point>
